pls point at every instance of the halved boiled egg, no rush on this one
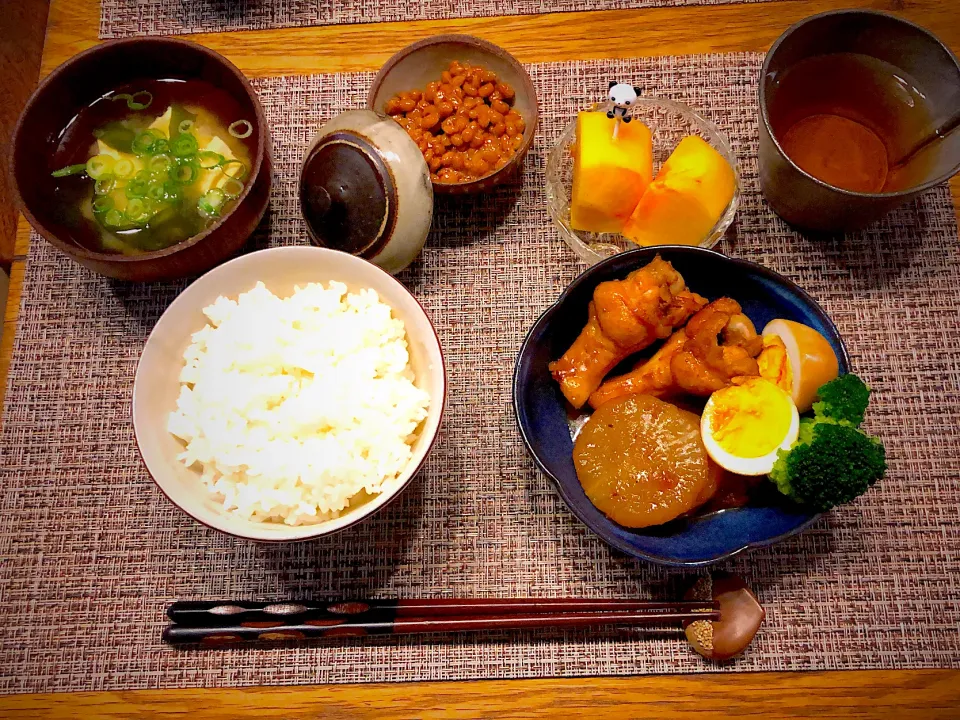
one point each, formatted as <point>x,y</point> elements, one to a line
<point>798,359</point>
<point>744,425</point>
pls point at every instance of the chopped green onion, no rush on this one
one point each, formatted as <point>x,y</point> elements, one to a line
<point>113,218</point>
<point>104,185</point>
<point>232,187</point>
<point>184,173</point>
<point>132,102</point>
<point>241,129</point>
<point>102,203</point>
<point>172,190</point>
<point>184,126</point>
<point>215,196</point>
<point>160,163</point>
<point>178,113</point>
<point>209,159</point>
<point>144,141</point>
<point>70,170</point>
<point>143,103</point>
<point>183,145</point>
<point>99,165</point>
<point>159,147</point>
<point>123,168</point>
<point>236,169</point>
<point>158,192</point>
<point>138,211</point>
<point>137,187</point>
<point>210,202</point>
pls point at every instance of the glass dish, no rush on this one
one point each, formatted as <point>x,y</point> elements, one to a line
<point>669,123</point>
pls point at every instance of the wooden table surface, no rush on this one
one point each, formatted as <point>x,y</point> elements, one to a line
<point>932,694</point>
<point>22,25</point>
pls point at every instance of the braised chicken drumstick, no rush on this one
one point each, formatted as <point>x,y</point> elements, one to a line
<point>624,317</point>
<point>718,344</point>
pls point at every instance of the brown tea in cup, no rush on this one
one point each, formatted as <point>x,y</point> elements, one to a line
<point>894,82</point>
<point>848,119</point>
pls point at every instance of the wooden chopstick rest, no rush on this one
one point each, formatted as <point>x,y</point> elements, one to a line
<point>741,616</point>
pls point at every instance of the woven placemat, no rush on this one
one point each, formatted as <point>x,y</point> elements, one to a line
<point>91,552</point>
<point>127,18</point>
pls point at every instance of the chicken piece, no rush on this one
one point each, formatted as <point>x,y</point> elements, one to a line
<point>650,377</point>
<point>718,344</point>
<point>624,317</point>
<point>722,344</point>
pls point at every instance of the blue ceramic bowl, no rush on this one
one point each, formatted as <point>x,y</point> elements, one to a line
<point>542,411</point>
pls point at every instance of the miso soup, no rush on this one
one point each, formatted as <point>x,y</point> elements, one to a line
<point>150,165</point>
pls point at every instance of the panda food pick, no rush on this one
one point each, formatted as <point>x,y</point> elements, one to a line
<point>615,191</point>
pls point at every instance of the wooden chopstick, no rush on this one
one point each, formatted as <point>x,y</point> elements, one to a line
<point>225,613</point>
<point>392,618</point>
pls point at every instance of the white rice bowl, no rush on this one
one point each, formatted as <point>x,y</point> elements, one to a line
<point>293,408</point>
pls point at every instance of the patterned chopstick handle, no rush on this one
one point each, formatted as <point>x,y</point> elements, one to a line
<point>231,613</point>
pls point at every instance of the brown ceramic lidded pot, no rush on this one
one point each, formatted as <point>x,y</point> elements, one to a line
<point>365,189</point>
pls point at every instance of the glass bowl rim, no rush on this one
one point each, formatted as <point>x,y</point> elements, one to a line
<point>716,137</point>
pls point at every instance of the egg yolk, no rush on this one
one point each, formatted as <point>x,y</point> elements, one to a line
<point>775,363</point>
<point>750,420</point>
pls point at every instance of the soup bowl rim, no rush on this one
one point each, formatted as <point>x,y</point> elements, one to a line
<point>260,130</point>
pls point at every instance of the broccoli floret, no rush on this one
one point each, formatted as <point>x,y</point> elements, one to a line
<point>806,430</point>
<point>830,464</point>
<point>843,400</point>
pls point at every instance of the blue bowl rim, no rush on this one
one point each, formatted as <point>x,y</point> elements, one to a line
<point>585,277</point>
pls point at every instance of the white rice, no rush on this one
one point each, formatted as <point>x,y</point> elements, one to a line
<point>292,408</point>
